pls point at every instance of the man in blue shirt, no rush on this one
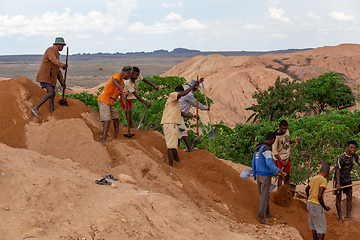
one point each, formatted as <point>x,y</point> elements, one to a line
<point>263,168</point>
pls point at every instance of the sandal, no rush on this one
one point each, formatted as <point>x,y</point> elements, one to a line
<point>103,182</point>
<point>111,177</point>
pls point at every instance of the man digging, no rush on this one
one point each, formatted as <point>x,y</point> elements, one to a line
<point>263,169</point>
<point>171,118</point>
<point>185,104</point>
<point>131,86</point>
<point>49,72</point>
<point>342,177</point>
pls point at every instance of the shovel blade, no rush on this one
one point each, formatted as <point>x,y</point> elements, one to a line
<point>63,102</point>
<point>272,187</point>
<point>246,174</point>
<point>197,140</point>
<point>129,135</point>
<point>212,133</point>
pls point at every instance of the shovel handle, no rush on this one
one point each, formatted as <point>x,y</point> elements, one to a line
<point>197,107</point>
<point>354,184</point>
<point>142,118</point>
<point>66,62</point>
<point>207,103</point>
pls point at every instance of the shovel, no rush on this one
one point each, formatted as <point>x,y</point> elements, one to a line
<point>128,134</point>
<point>273,186</point>
<point>354,184</point>
<point>197,139</point>
<point>246,174</point>
<point>213,131</point>
<point>145,111</point>
<point>63,101</point>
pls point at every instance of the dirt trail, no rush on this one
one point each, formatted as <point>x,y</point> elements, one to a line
<point>49,191</point>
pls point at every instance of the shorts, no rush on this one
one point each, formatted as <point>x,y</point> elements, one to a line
<point>183,132</point>
<point>128,103</point>
<point>286,168</point>
<point>171,132</point>
<point>346,191</point>
<point>45,85</point>
<point>107,112</point>
<point>317,220</point>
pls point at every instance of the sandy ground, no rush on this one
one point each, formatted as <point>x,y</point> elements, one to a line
<point>48,167</point>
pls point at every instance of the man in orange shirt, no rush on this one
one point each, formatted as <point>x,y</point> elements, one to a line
<point>49,72</point>
<point>171,118</point>
<point>112,90</point>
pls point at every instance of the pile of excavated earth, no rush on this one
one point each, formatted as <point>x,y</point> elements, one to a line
<point>49,166</point>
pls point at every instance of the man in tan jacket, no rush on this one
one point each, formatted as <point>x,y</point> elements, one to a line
<point>49,72</point>
<point>281,150</point>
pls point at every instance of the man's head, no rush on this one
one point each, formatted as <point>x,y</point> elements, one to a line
<point>135,73</point>
<point>283,126</point>
<point>351,147</point>
<point>59,43</point>
<point>270,138</point>
<point>126,72</point>
<point>179,89</point>
<point>325,169</point>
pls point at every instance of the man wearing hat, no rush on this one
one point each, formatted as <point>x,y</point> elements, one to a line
<point>185,104</point>
<point>49,72</point>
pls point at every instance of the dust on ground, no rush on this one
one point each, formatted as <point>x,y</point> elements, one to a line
<point>49,166</point>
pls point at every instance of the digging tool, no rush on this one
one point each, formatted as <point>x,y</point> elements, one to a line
<point>354,184</point>
<point>128,134</point>
<point>246,174</point>
<point>213,131</point>
<point>301,194</point>
<point>197,139</point>
<point>63,101</point>
<point>138,127</point>
<point>273,186</point>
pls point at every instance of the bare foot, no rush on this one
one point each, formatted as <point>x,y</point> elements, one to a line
<point>192,150</point>
<point>103,141</point>
<point>341,220</point>
<point>35,112</point>
<point>268,215</point>
<point>349,218</point>
<point>117,137</point>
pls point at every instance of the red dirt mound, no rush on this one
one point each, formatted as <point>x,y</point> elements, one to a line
<point>200,183</point>
<point>283,196</point>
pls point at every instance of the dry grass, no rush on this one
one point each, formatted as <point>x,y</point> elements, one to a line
<point>86,71</point>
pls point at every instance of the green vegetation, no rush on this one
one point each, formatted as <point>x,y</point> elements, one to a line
<point>153,116</point>
<point>286,97</point>
<point>324,136</point>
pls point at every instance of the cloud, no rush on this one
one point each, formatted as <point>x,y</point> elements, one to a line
<point>168,27</point>
<point>313,16</point>
<point>278,14</point>
<point>172,17</point>
<point>253,26</point>
<point>340,16</point>
<point>277,35</point>
<point>172,5</point>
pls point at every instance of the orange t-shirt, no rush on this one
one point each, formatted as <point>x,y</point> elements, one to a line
<point>111,92</point>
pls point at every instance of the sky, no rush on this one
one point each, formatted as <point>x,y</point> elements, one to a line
<point>110,26</point>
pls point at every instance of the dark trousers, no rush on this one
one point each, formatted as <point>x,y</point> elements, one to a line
<point>263,183</point>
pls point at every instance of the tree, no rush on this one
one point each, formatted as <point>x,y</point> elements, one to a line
<point>282,99</point>
<point>328,90</point>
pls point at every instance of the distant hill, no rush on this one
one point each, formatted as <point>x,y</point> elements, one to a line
<point>183,52</point>
<point>177,52</point>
